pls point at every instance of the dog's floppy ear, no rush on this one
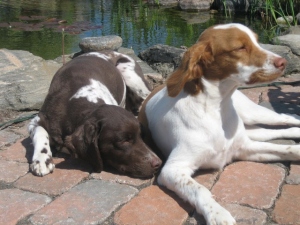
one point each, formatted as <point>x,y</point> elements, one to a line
<point>84,142</point>
<point>190,71</point>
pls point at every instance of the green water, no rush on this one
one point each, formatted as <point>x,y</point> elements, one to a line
<point>139,25</point>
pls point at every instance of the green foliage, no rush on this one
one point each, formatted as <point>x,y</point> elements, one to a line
<point>227,10</point>
<point>272,9</point>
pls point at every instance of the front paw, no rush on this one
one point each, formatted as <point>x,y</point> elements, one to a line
<point>220,216</point>
<point>42,165</point>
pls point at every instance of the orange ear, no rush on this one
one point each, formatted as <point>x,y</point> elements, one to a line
<point>190,71</point>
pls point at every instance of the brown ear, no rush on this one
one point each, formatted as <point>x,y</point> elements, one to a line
<point>84,142</point>
<point>190,71</point>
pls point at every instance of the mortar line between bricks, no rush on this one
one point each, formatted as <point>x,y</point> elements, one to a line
<point>260,98</point>
<point>269,210</point>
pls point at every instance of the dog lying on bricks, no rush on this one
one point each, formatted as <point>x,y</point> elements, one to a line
<point>199,120</point>
<point>84,112</point>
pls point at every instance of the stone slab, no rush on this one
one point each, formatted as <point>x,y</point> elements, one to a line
<point>24,79</point>
<point>7,138</point>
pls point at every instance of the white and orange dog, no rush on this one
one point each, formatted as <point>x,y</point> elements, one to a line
<point>200,120</point>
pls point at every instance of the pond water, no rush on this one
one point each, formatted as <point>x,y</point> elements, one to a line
<point>36,26</point>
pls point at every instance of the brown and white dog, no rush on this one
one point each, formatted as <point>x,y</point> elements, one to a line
<point>200,120</point>
<point>84,112</point>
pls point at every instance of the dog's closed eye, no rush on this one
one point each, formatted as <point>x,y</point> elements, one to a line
<point>241,48</point>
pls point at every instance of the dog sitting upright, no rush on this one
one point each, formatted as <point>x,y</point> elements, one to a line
<point>199,119</point>
<point>84,112</point>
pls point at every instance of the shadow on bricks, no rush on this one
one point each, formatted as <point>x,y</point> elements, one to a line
<point>29,148</point>
<point>74,164</point>
<point>284,101</point>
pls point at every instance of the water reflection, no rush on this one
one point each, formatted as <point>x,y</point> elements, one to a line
<point>140,25</point>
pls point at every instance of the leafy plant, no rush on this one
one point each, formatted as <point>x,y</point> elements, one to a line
<point>225,9</point>
<point>273,9</point>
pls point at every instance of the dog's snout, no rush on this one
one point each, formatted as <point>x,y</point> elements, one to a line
<point>280,63</point>
<point>156,163</point>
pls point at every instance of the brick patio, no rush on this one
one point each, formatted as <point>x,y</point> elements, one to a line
<point>255,193</point>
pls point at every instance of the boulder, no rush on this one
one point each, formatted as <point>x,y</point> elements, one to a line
<point>162,58</point>
<point>195,4</point>
<point>165,59</point>
<point>163,2</point>
<point>24,79</point>
<point>292,30</point>
<point>195,17</point>
<point>90,44</point>
<point>235,5</point>
<point>293,65</point>
<point>290,40</point>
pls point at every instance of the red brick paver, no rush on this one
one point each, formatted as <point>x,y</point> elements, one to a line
<point>250,183</point>
<point>254,193</point>
<point>21,151</point>
<point>287,208</point>
<point>206,177</point>
<point>154,205</point>
<point>11,171</point>
<point>246,216</point>
<point>16,204</point>
<point>121,179</point>
<point>60,180</point>
<point>88,203</point>
<point>294,176</point>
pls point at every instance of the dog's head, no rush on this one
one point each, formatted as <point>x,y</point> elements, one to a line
<point>112,135</point>
<point>223,51</point>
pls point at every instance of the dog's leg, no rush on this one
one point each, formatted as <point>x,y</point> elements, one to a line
<point>261,134</point>
<point>264,151</point>
<point>42,162</point>
<point>133,75</point>
<point>252,113</point>
<point>179,180</point>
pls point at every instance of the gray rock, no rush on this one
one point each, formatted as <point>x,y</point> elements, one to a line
<point>163,2</point>
<point>7,138</point>
<point>195,17</point>
<point>195,4</point>
<point>24,79</point>
<point>236,5</point>
<point>90,44</point>
<point>293,65</point>
<point>284,21</point>
<point>292,30</point>
<point>298,18</point>
<point>290,40</point>
<point>162,58</point>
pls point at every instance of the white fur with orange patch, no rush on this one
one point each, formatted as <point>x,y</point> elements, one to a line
<point>198,120</point>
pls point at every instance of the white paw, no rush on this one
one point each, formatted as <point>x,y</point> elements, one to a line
<point>42,165</point>
<point>219,216</point>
